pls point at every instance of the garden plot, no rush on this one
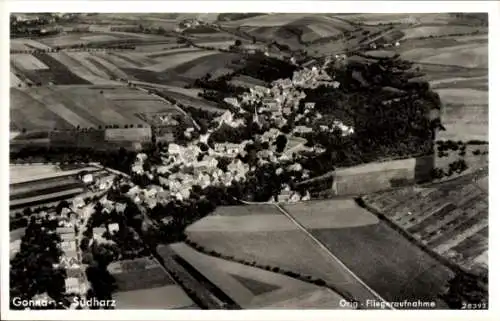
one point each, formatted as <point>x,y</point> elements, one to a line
<point>27,62</point>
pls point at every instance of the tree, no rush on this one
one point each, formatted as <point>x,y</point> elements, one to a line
<point>468,289</point>
<point>281,142</point>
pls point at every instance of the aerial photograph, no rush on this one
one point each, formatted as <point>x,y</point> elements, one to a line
<point>242,161</point>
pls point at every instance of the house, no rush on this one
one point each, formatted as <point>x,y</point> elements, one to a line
<point>65,230</point>
<point>272,104</point>
<point>232,101</point>
<point>113,227</point>
<point>87,179</point>
<point>72,285</point>
<point>98,231</point>
<point>78,202</point>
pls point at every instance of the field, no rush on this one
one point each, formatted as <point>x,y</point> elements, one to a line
<point>34,185</point>
<point>138,274</point>
<point>451,218</point>
<point>64,107</point>
<point>376,176</point>
<point>385,260</point>
<point>255,288</point>
<point>28,62</point>
<point>164,297</point>
<point>457,68</point>
<point>288,248</point>
<point>178,59</point>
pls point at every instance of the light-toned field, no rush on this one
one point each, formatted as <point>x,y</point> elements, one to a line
<point>244,224</point>
<point>270,20</point>
<point>170,52</point>
<point>26,173</point>
<point>27,62</point>
<point>331,214</point>
<point>437,31</point>
<point>98,38</point>
<point>17,234</point>
<point>216,44</point>
<point>468,55</point>
<point>269,288</point>
<point>27,44</point>
<point>404,18</point>
<point>165,297</point>
<point>179,59</point>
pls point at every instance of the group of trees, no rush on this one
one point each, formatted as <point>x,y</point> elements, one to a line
<point>457,166</point>
<point>32,271</point>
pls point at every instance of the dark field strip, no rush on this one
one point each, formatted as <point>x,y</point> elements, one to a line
<point>127,59</point>
<point>472,246</point>
<point>49,190</point>
<point>57,72</point>
<point>41,184</point>
<point>168,78</point>
<point>256,287</point>
<point>142,279</point>
<point>103,68</point>
<point>166,54</point>
<point>43,200</point>
<point>433,219</point>
<point>387,262</point>
<point>77,105</point>
<point>204,281</point>
<point>458,228</point>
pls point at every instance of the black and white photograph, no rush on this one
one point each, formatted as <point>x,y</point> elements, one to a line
<point>248,160</point>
